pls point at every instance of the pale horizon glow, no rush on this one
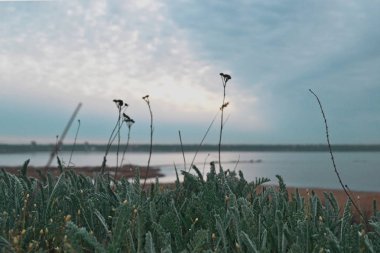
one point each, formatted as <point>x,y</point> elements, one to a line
<point>55,54</point>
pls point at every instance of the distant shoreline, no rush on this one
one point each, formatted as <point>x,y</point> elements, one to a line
<point>27,148</point>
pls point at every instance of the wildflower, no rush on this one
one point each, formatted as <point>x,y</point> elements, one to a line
<point>225,78</point>
<point>119,103</point>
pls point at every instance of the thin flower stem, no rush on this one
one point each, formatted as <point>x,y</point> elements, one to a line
<point>125,149</point>
<point>146,98</point>
<point>183,153</point>
<point>345,188</point>
<point>221,120</point>
<point>75,141</point>
<point>204,137</point>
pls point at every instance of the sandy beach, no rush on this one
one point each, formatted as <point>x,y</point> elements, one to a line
<point>364,200</point>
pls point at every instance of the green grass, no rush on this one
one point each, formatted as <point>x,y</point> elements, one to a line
<point>219,213</point>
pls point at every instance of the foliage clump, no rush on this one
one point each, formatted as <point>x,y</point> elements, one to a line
<point>219,213</point>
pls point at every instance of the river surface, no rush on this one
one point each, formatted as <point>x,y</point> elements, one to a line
<point>359,170</point>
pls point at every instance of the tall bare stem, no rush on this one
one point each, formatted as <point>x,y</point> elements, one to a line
<point>344,187</point>
<point>146,99</point>
<point>225,79</point>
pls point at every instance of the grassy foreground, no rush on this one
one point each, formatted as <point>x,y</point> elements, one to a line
<point>219,213</point>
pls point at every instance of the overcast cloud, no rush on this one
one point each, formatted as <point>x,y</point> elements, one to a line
<point>54,54</point>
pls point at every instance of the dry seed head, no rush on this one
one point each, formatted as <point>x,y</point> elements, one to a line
<point>15,240</point>
<point>46,230</point>
<point>78,212</point>
<point>51,220</point>
<point>23,232</point>
<point>67,218</point>
<point>213,236</point>
<point>125,202</point>
<point>237,245</point>
<point>41,232</point>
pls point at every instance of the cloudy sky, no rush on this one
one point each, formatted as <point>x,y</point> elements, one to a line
<point>55,54</point>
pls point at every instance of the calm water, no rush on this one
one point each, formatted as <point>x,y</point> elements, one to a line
<point>359,170</point>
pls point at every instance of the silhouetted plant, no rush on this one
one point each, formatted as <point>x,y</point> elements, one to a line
<point>75,141</point>
<point>115,133</point>
<point>183,152</point>
<point>344,187</point>
<point>129,123</point>
<point>146,99</point>
<point>203,138</point>
<point>225,79</point>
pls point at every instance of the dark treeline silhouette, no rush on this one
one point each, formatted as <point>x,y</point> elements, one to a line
<point>26,148</point>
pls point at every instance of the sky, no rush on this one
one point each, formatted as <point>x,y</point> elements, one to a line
<point>56,54</point>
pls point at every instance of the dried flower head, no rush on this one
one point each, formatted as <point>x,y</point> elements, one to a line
<point>225,78</point>
<point>119,103</point>
<point>126,117</point>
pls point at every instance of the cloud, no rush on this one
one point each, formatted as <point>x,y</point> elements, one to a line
<point>94,51</point>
